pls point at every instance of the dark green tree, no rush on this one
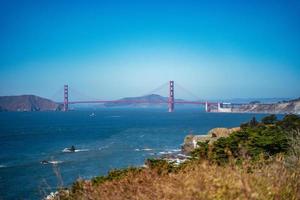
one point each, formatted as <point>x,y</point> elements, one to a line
<point>270,119</point>
<point>253,122</point>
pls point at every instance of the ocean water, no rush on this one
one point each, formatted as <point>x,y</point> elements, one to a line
<point>112,138</point>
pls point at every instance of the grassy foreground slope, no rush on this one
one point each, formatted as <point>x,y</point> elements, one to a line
<point>261,161</point>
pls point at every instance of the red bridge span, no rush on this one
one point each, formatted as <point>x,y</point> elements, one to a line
<point>170,102</point>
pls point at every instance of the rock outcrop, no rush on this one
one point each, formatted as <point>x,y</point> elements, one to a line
<point>190,141</point>
<point>28,103</point>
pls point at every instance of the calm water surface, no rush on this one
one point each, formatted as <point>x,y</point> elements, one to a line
<point>113,138</point>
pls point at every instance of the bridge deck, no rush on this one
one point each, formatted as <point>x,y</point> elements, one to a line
<point>140,102</point>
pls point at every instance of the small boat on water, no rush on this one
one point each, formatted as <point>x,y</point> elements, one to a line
<point>44,162</point>
<point>70,149</point>
<point>92,114</point>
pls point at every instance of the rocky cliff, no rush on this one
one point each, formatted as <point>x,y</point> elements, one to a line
<point>190,141</point>
<point>27,103</point>
<point>292,106</point>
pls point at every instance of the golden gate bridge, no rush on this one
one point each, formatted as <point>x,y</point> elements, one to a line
<point>171,101</point>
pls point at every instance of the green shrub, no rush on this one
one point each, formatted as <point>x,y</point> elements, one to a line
<point>201,151</point>
<point>77,186</point>
<point>115,174</point>
<point>253,140</point>
<point>161,166</point>
<point>270,119</point>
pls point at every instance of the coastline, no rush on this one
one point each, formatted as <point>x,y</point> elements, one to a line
<point>174,157</point>
<point>263,147</point>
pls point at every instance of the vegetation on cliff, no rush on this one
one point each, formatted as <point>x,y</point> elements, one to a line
<point>254,139</point>
<point>259,161</point>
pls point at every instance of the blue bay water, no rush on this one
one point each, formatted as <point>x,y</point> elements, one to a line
<point>113,138</point>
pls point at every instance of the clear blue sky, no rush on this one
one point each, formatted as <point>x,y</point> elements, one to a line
<point>111,49</point>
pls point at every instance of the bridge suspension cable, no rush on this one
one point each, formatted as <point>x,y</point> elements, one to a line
<point>57,95</point>
<point>196,97</point>
<point>78,95</point>
<point>158,89</point>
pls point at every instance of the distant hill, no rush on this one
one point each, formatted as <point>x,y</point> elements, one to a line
<point>28,103</point>
<point>147,100</point>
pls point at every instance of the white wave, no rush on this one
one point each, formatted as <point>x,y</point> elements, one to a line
<point>113,116</point>
<point>182,155</point>
<point>163,152</point>
<point>81,150</point>
<point>170,151</point>
<point>67,150</point>
<point>52,195</point>
<point>55,161</point>
<point>104,147</point>
<point>3,166</point>
<point>147,149</point>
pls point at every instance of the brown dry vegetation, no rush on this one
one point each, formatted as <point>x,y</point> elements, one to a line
<point>199,180</point>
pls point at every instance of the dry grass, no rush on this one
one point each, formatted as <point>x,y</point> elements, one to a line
<point>200,180</point>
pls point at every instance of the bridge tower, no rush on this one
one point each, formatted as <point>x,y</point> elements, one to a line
<point>206,107</point>
<point>171,96</point>
<point>66,98</point>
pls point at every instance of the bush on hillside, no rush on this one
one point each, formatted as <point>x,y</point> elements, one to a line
<point>115,175</point>
<point>254,139</point>
<point>270,119</point>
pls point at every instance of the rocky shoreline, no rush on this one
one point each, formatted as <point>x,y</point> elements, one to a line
<point>190,143</point>
<point>180,156</point>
